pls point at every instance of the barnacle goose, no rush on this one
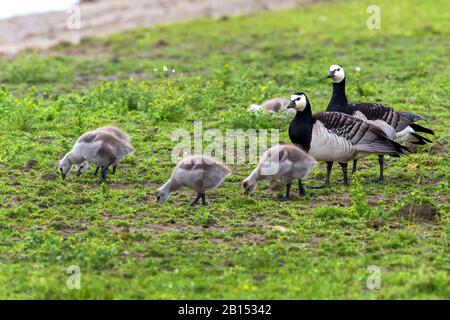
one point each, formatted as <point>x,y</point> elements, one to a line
<point>337,137</point>
<point>397,125</point>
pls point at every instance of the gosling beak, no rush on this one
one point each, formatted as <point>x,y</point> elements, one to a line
<point>331,74</point>
<point>291,105</point>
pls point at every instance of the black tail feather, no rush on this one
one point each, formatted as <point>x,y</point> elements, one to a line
<point>419,128</point>
<point>402,149</point>
<point>420,140</point>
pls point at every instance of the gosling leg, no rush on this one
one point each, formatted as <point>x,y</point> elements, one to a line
<point>197,197</point>
<point>301,188</point>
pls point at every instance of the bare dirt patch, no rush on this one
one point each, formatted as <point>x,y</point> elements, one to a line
<point>419,213</point>
<point>49,176</point>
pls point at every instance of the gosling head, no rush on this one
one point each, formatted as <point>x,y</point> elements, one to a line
<point>336,73</point>
<point>161,195</point>
<point>248,186</point>
<point>82,168</point>
<point>65,165</point>
<point>299,101</point>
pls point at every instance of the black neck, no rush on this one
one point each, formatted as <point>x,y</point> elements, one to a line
<point>305,115</point>
<point>338,101</point>
<point>300,130</point>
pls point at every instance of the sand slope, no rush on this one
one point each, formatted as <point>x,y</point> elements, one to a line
<point>108,16</point>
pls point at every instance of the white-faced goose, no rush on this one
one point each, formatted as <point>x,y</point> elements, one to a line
<point>337,137</point>
<point>397,125</point>
<point>199,173</point>
<point>281,162</point>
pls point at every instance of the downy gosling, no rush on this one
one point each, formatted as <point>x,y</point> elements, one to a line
<point>100,148</point>
<point>281,162</point>
<point>200,173</point>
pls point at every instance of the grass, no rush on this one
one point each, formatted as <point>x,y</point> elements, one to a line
<point>150,82</point>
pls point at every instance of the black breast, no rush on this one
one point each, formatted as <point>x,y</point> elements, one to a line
<point>300,133</point>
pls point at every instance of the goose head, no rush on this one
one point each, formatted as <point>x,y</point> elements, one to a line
<point>161,195</point>
<point>299,101</point>
<point>248,186</point>
<point>65,165</point>
<point>336,73</point>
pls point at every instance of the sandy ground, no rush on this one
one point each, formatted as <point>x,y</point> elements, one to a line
<point>103,17</point>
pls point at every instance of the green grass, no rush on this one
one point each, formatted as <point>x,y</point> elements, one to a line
<point>320,246</point>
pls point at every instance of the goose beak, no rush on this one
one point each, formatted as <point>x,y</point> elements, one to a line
<point>246,192</point>
<point>79,172</point>
<point>331,74</point>
<point>291,105</point>
<point>63,176</point>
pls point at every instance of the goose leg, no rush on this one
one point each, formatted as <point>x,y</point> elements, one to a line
<point>354,166</point>
<point>288,190</point>
<point>204,199</point>
<point>301,188</point>
<point>327,179</point>
<point>96,171</point>
<point>199,195</point>
<point>329,167</point>
<point>381,163</point>
<point>105,169</point>
<point>344,172</point>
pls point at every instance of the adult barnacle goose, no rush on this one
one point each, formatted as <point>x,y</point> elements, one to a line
<point>335,136</point>
<point>397,125</point>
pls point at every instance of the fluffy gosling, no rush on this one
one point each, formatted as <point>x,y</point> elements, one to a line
<point>200,173</point>
<point>100,148</point>
<point>114,131</point>
<point>272,105</point>
<point>281,162</point>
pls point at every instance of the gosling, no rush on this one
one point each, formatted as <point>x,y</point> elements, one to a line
<point>281,162</point>
<point>273,105</point>
<point>200,173</point>
<point>118,134</point>
<point>100,148</point>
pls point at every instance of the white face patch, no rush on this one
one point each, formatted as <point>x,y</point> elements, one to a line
<point>339,73</point>
<point>300,101</point>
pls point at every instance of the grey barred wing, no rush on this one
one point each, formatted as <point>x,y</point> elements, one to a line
<point>343,125</point>
<point>379,111</point>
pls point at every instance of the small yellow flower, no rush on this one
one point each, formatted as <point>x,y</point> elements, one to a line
<point>412,165</point>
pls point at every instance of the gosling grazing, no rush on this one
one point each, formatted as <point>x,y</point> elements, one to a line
<point>100,148</point>
<point>397,125</point>
<point>272,105</point>
<point>200,173</point>
<point>281,162</point>
<point>114,131</point>
<point>334,136</point>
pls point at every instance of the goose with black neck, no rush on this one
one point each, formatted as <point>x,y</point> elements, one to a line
<point>396,125</point>
<point>336,137</point>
